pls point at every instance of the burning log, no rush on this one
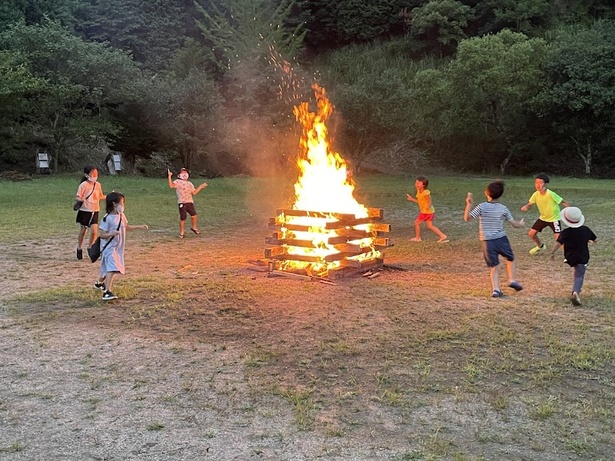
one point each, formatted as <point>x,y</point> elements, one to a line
<point>331,244</point>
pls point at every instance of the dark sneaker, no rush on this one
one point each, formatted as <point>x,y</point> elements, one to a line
<point>108,296</point>
<point>575,299</point>
<point>497,294</point>
<point>516,286</point>
<point>79,253</point>
<point>100,285</point>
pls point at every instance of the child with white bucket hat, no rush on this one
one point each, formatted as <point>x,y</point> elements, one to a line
<point>575,239</point>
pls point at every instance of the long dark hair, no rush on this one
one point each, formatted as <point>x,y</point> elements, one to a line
<point>113,198</point>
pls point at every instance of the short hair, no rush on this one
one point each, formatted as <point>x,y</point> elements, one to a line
<point>424,180</point>
<point>495,189</point>
<point>544,177</point>
<point>112,198</point>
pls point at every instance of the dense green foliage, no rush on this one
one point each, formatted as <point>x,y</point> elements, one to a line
<point>482,85</point>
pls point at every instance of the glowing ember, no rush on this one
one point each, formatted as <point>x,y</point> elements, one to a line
<point>329,222</point>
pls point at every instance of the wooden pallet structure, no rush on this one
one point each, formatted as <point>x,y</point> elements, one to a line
<point>353,245</point>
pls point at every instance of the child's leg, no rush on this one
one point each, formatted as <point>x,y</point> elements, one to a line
<point>417,228</point>
<point>182,226</point>
<point>193,220</point>
<point>109,280</point>
<point>435,230</point>
<point>533,233</point>
<point>495,278</point>
<point>579,277</point>
<point>93,234</point>
<point>511,268</point>
<point>81,236</point>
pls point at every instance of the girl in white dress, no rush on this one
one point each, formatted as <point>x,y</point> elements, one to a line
<point>113,229</point>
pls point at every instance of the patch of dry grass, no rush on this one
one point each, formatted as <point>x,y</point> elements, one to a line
<point>419,363</point>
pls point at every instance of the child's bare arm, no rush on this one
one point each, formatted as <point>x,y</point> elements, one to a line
<point>411,198</point>
<point>554,250</point>
<point>199,189</point>
<point>169,174</point>
<point>130,227</point>
<point>517,224</point>
<point>466,213</point>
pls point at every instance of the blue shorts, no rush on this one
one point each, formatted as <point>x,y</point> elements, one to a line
<point>492,249</point>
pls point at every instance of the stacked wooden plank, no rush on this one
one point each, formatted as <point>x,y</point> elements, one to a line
<point>348,244</point>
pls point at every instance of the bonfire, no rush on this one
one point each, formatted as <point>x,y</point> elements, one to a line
<point>327,231</point>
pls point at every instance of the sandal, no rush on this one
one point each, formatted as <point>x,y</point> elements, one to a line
<point>181,236</point>
<point>196,231</point>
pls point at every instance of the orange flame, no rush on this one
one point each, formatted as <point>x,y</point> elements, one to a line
<point>323,186</point>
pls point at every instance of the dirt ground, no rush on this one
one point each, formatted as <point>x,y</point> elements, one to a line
<point>202,358</point>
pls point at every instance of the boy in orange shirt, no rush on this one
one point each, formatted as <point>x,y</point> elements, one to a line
<point>426,211</point>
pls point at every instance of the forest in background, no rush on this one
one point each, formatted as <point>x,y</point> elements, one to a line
<point>506,86</point>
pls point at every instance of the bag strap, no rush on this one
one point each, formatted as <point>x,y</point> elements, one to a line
<point>109,241</point>
<point>90,194</point>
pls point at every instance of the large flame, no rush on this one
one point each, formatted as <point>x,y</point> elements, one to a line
<point>323,186</point>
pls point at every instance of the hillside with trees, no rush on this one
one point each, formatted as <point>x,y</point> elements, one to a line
<point>497,86</point>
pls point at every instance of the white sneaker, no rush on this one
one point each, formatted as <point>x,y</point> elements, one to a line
<point>575,299</point>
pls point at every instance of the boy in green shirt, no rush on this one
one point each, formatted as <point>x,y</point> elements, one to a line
<point>547,203</point>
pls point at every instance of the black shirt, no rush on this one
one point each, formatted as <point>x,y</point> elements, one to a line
<point>574,240</point>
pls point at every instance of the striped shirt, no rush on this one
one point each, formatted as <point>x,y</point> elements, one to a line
<point>491,217</point>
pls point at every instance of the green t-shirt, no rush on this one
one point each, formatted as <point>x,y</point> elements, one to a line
<point>548,205</point>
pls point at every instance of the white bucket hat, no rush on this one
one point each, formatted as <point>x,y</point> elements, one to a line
<point>572,216</point>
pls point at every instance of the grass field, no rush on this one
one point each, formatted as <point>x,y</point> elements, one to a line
<point>203,359</point>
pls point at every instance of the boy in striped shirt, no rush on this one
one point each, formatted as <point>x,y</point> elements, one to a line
<point>491,215</point>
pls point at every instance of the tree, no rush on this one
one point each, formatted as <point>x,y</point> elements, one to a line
<point>82,83</point>
<point>580,94</point>
<point>334,24</point>
<point>152,31</point>
<point>16,84</point>
<point>245,31</point>
<point>441,21</point>
<point>186,113</point>
<point>369,85</point>
<point>32,12</point>
<point>484,93</point>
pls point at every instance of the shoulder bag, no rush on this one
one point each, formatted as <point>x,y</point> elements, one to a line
<point>95,251</point>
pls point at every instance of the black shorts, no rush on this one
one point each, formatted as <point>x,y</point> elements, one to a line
<point>186,208</point>
<point>493,248</point>
<point>87,218</point>
<point>555,226</point>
